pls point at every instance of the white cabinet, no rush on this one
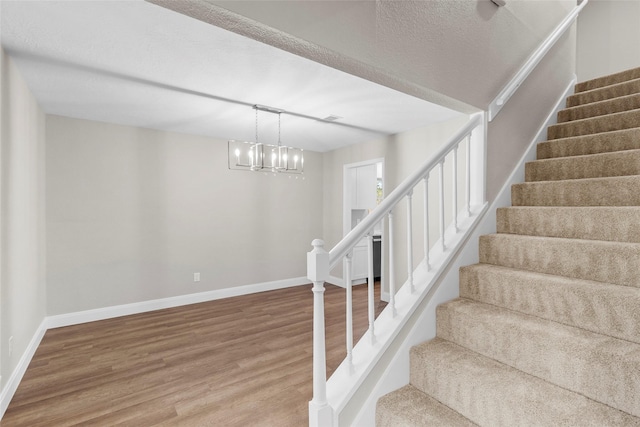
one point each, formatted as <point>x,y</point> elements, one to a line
<point>360,263</point>
<point>364,180</point>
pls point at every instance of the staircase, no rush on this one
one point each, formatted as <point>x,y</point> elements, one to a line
<point>547,327</point>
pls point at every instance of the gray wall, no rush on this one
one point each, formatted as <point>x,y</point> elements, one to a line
<point>22,289</point>
<point>510,133</point>
<point>132,213</point>
<point>608,38</point>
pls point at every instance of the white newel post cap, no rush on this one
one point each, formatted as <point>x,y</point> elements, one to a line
<point>318,262</point>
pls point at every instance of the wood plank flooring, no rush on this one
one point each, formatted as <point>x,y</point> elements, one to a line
<point>243,361</point>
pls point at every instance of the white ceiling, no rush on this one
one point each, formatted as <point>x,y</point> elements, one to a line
<point>135,63</point>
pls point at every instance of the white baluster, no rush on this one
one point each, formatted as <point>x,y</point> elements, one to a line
<point>441,173</point>
<point>455,188</point>
<point>392,268</point>
<point>349,286</point>
<point>370,289</point>
<point>426,222</point>
<point>468,167</point>
<point>320,413</point>
<point>410,241</point>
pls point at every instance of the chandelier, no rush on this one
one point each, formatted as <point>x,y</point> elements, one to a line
<point>258,156</point>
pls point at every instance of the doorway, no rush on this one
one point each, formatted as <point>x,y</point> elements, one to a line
<point>363,191</point>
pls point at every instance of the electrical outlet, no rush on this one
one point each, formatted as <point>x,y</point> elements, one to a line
<point>10,345</point>
<point>196,277</point>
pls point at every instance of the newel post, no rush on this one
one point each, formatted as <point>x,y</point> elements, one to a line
<point>320,413</point>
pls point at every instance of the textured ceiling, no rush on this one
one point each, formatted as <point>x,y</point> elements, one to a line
<point>135,63</point>
<point>458,53</point>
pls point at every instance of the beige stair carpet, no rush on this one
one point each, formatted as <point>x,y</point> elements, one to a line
<point>609,122</point>
<point>546,331</point>
<point>609,106</point>
<point>617,163</point>
<point>577,222</point>
<point>626,139</point>
<point>603,93</point>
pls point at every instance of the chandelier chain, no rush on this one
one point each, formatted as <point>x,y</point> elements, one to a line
<point>279,129</point>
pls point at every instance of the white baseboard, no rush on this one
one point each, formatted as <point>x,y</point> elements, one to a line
<point>123,310</point>
<point>159,304</point>
<point>396,373</point>
<point>16,376</point>
<point>385,296</point>
<point>336,281</point>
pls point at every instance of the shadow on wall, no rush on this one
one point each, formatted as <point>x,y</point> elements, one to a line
<point>486,9</point>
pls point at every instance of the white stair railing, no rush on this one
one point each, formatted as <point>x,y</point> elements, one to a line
<point>319,262</point>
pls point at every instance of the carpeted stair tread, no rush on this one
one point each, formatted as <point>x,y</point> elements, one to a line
<point>597,366</point>
<point>620,163</point>
<point>408,406</point>
<point>626,139</point>
<point>610,191</point>
<point>594,306</point>
<point>609,262</point>
<point>611,223</point>
<point>625,88</point>
<point>611,79</point>
<point>600,108</point>
<point>490,393</point>
<point>611,122</point>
